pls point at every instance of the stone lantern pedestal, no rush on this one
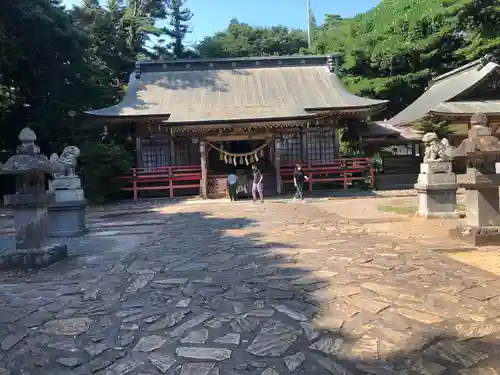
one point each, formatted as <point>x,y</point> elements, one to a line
<point>482,222</point>
<point>481,181</point>
<point>437,190</point>
<point>30,223</point>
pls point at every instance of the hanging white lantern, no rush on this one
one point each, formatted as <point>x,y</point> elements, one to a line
<point>246,160</point>
<point>256,156</point>
<point>235,162</point>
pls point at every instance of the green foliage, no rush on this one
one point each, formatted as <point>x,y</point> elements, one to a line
<point>393,50</point>
<point>55,61</point>
<point>46,70</point>
<point>378,162</point>
<point>102,165</point>
<point>442,128</point>
<point>179,18</point>
<point>243,40</point>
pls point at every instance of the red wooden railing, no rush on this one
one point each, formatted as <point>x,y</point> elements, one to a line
<point>342,170</point>
<point>188,177</point>
<point>162,178</point>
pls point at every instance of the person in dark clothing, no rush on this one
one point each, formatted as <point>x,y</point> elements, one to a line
<point>298,179</point>
<point>232,186</point>
<point>257,185</point>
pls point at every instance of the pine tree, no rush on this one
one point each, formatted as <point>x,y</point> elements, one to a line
<point>442,129</point>
<point>179,26</point>
<point>140,20</point>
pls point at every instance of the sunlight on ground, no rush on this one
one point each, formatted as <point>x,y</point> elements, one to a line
<point>485,260</point>
<point>403,210</point>
<point>168,209</point>
<point>409,210</point>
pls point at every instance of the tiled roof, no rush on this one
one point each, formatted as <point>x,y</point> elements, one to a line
<point>200,91</point>
<point>445,88</point>
<point>468,107</point>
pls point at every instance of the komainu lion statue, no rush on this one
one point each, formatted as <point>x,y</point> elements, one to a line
<point>69,158</point>
<point>436,150</point>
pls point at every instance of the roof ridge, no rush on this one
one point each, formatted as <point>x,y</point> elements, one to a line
<point>479,63</point>
<point>236,63</point>
<point>230,59</point>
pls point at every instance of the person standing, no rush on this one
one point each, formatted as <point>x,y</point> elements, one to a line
<point>298,180</point>
<point>232,186</point>
<point>257,185</point>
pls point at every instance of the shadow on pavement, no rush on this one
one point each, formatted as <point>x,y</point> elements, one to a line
<point>251,301</point>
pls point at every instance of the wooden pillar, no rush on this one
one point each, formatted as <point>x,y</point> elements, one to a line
<point>305,155</point>
<point>277,163</point>
<point>336,142</point>
<point>204,172</point>
<point>138,150</point>
<point>171,148</point>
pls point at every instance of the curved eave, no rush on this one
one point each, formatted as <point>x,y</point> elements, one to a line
<point>365,109</point>
<point>378,104</point>
<point>128,118</point>
<point>461,114</point>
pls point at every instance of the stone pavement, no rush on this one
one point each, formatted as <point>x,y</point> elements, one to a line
<point>249,289</point>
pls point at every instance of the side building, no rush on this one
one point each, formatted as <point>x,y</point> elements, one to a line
<point>453,97</point>
<point>224,114</point>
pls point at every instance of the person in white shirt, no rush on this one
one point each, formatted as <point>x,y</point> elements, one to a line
<point>232,186</point>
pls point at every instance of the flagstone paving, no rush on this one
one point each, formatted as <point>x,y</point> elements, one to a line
<point>251,289</point>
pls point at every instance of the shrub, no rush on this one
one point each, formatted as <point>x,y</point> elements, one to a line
<point>102,165</point>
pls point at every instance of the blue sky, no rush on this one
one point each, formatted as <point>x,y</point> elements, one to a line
<point>214,15</point>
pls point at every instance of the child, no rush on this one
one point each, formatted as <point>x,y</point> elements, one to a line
<point>298,180</point>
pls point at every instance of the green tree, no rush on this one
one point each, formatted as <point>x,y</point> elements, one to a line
<point>179,18</point>
<point>243,40</point>
<point>478,23</point>
<point>46,74</point>
<point>393,50</point>
<point>139,20</point>
<point>107,37</point>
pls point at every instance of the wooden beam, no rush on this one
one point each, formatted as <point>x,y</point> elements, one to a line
<point>204,168</point>
<point>236,137</point>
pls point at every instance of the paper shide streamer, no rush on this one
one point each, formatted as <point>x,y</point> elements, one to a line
<point>241,159</point>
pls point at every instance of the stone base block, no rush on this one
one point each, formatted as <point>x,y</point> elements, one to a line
<point>67,219</point>
<point>437,202</point>
<point>439,215</point>
<point>477,236</point>
<point>69,195</point>
<point>32,258</point>
<point>432,167</point>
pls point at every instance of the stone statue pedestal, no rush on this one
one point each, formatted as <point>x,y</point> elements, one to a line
<point>67,212</point>
<point>30,223</point>
<point>437,190</point>
<point>482,222</point>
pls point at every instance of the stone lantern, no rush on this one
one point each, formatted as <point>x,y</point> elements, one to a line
<point>481,182</point>
<point>30,202</point>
